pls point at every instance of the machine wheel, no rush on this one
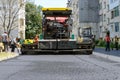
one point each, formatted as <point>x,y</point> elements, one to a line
<point>23,52</point>
<point>93,47</point>
<point>89,52</point>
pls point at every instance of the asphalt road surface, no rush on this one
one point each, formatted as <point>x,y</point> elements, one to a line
<point>59,67</point>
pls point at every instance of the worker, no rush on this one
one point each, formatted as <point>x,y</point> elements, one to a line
<point>36,39</point>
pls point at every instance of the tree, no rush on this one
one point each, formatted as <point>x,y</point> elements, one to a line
<point>9,14</point>
<point>33,20</point>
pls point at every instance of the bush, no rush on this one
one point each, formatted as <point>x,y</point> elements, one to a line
<point>112,45</point>
<point>101,43</point>
<point>119,46</point>
<point>96,42</point>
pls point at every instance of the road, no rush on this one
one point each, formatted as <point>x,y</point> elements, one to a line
<point>59,67</point>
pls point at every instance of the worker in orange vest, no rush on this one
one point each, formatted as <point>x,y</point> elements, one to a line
<point>36,39</point>
<point>107,40</point>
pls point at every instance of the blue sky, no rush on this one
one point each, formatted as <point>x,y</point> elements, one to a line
<point>51,3</point>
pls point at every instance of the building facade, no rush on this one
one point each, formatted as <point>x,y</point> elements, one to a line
<point>104,17</point>
<point>115,17</point>
<point>109,17</point>
<point>84,14</point>
<point>14,16</point>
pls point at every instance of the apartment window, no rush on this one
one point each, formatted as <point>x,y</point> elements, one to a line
<point>21,22</point>
<point>100,29</point>
<point>104,4</point>
<point>108,7</point>
<point>100,6</point>
<point>115,12</point>
<point>116,26</point>
<point>104,17</point>
<point>112,14</point>
<point>77,5</point>
<point>101,18</point>
<point>112,28</point>
<point>108,20</point>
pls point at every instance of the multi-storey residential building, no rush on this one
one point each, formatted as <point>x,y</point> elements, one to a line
<point>15,11</point>
<point>84,14</point>
<point>115,17</point>
<point>21,20</point>
<point>104,17</point>
<point>109,17</point>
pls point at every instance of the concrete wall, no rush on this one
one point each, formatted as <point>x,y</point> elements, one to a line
<point>85,13</point>
<point>88,11</point>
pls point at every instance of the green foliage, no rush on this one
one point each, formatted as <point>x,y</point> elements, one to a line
<point>96,42</point>
<point>119,46</point>
<point>33,20</point>
<point>101,43</point>
<point>112,45</point>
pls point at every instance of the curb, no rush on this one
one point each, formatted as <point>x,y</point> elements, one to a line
<point>110,57</point>
<point>8,56</point>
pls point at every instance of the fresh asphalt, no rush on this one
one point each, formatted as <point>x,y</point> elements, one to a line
<point>113,52</point>
<point>113,55</point>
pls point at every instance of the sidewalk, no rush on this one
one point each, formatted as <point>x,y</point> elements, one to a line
<point>8,55</point>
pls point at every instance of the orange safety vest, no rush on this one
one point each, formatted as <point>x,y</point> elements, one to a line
<point>36,39</point>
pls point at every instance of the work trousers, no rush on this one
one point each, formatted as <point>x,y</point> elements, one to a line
<point>107,46</point>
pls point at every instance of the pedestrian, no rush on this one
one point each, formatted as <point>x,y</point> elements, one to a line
<point>5,41</point>
<point>18,45</point>
<point>1,44</point>
<point>116,42</point>
<point>14,44</point>
<point>107,40</point>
